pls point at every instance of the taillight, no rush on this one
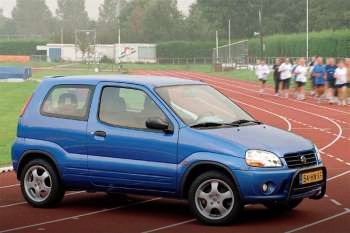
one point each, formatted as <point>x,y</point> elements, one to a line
<point>24,108</point>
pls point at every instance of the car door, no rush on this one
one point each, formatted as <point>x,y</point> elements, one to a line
<point>122,152</point>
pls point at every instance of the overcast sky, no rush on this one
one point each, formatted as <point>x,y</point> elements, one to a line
<point>91,6</point>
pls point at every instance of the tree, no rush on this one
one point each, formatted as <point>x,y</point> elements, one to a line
<point>107,25</point>
<point>162,21</point>
<point>32,17</point>
<point>72,16</point>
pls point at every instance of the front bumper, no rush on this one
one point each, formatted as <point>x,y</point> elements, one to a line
<point>283,185</point>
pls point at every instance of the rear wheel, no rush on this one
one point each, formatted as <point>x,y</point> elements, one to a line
<point>283,206</point>
<point>214,199</point>
<point>40,184</point>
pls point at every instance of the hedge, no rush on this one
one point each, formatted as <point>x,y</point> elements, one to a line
<point>185,49</point>
<point>20,47</point>
<point>324,43</point>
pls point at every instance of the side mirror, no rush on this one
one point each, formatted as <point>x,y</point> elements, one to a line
<point>158,123</point>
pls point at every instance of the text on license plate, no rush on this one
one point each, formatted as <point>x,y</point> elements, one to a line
<point>311,177</point>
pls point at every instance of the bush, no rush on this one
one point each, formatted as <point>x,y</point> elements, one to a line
<point>324,43</point>
<point>20,47</point>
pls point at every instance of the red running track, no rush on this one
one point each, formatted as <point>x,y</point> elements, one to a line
<point>328,126</point>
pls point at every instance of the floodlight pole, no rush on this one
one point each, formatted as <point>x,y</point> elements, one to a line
<point>261,33</point>
<point>307,30</point>
<point>229,40</point>
<point>217,47</point>
<point>119,46</point>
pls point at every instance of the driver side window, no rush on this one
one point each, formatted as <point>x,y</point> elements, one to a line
<point>127,107</point>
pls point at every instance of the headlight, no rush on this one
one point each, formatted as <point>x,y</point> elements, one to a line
<point>260,158</point>
<point>318,154</point>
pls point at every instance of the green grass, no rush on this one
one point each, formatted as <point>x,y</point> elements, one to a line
<point>12,98</point>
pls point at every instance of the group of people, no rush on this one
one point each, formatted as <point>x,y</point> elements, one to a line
<point>330,81</point>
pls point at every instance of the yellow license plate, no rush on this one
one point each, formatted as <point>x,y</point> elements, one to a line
<point>311,177</point>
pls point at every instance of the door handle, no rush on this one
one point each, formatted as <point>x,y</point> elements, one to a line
<point>100,133</point>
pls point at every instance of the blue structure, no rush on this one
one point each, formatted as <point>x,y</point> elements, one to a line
<point>13,72</point>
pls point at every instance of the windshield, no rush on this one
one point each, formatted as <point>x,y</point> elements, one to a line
<point>202,105</point>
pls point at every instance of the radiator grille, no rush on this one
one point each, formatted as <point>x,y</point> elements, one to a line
<point>301,159</point>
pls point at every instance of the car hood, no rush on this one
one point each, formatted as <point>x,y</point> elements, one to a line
<point>263,137</point>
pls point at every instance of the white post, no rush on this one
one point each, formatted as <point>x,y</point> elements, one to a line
<point>229,40</point>
<point>307,30</point>
<point>217,48</point>
<point>119,47</point>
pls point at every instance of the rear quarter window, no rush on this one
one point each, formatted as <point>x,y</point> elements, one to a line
<point>68,101</point>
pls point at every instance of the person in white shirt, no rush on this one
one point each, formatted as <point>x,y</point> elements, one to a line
<point>300,72</point>
<point>262,72</point>
<point>286,74</point>
<point>341,78</point>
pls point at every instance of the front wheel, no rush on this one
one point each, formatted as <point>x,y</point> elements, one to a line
<point>283,206</point>
<point>214,199</point>
<point>40,184</point>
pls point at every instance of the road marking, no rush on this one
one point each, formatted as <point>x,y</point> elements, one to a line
<point>279,104</point>
<point>9,186</point>
<point>340,160</point>
<point>80,215</point>
<point>24,202</point>
<point>335,202</point>
<point>339,175</point>
<point>275,114</point>
<point>347,211</point>
<point>169,226</point>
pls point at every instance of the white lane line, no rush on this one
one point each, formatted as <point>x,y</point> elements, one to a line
<point>24,202</point>
<point>252,106</point>
<point>9,186</point>
<point>279,104</point>
<point>340,160</point>
<point>169,226</point>
<point>282,117</point>
<point>335,202</point>
<point>339,175</point>
<point>347,164</point>
<point>347,211</point>
<point>240,82</point>
<point>79,216</point>
<point>340,132</point>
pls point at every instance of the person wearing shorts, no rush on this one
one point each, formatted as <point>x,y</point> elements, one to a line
<point>347,64</point>
<point>330,69</point>
<point>262,71</point>
<point>320,75</point>
<point>311,66</point>
<point>300,72</point>
<point>286,74</point>
<point>277,76</point>
<point>341,77</point>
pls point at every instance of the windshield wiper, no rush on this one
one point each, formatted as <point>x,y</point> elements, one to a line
<point>244,122</point>
<point>206,124</point>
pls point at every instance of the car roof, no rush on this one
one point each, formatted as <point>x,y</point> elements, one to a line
<point>145,80</point>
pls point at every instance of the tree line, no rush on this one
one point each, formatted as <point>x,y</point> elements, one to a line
<point>156,21</point>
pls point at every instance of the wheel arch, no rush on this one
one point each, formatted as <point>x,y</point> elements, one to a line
<point>36,154</point>
<point>203,166</point>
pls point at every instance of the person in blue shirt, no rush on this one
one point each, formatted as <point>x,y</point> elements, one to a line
<point>320,75</point>
<point>330,69</point>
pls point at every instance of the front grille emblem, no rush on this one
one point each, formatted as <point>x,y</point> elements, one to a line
<point>303,159</point>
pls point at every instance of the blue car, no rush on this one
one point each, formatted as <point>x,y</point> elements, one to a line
<point>159,136</point>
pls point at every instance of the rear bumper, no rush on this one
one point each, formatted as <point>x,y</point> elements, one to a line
<point>283,185</point>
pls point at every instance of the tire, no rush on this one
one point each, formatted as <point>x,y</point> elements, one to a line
<point>206,199</point>
<point>43,188</point>
<point>283,206</point>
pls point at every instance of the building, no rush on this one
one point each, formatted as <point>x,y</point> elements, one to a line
<point>130,53</point>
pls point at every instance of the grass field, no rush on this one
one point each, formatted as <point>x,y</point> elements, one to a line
<point>13,95</point>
